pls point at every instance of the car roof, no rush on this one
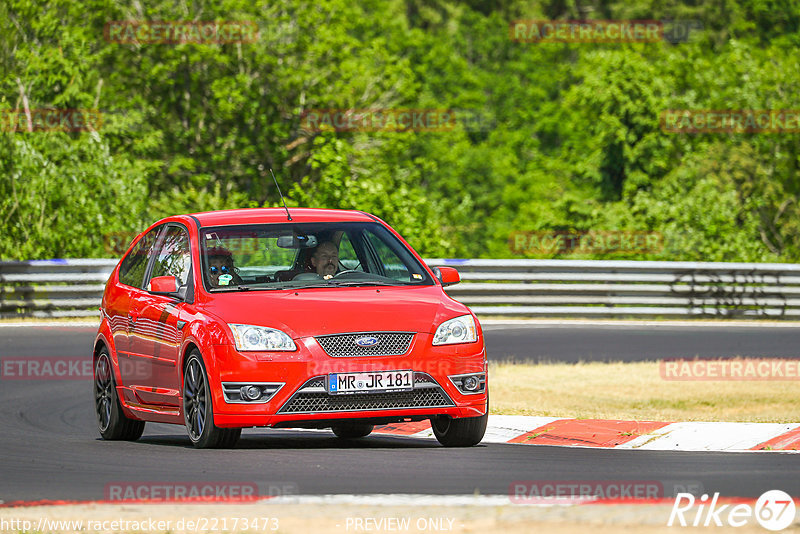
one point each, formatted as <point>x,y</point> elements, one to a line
<point>278,215</point>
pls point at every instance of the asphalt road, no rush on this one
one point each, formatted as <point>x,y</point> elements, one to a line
<point>561,343</point>
<point>51,449</point>
<point>630,343</point>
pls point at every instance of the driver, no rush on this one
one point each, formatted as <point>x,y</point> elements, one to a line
<point>325,259</point>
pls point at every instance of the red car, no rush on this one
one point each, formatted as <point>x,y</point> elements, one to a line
<point>299,319</point>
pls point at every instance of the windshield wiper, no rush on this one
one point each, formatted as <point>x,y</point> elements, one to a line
<point>308,286</point>
<point>353,283</point>
<point>242,288</point>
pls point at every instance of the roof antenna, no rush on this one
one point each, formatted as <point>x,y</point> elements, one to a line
<point>281,194</point>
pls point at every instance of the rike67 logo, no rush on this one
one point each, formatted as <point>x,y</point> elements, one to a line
<point>774,510</point>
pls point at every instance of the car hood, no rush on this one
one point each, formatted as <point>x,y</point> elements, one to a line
<point>314,312</point>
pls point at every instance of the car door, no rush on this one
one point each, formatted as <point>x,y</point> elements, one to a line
<point>121,304</point>
<point>157,337</point>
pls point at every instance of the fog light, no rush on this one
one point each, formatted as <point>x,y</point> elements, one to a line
<point>471,383</point>
<point>251,393</point>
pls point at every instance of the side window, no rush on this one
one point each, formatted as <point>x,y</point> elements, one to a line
<point>174,258</point>
<point>393,266</point>
<point>347,255</point>
<point>131,272</point>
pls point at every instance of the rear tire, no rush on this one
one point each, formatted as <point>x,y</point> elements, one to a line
<point>352,430</point>
<point>198,409</point>
<point>112,422</point>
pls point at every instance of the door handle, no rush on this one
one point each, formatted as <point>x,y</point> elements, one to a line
<point>133,315</point>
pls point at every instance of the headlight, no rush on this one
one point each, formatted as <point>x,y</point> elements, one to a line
<point>249,337</point>
<point>459,330</point>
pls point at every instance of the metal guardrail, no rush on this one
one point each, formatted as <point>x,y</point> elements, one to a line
<point>53,288</point>
<point>517,288</point>
<point>580,288</point>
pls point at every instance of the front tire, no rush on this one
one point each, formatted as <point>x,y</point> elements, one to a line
<point>198,412</point>
<point>462,432</point>
<point>112,422</point>
<point>352,430</point>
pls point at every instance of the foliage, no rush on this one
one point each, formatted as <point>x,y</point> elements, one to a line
<point>565,138</point>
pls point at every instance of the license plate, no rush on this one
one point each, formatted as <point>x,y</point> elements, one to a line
<point>370,382</point>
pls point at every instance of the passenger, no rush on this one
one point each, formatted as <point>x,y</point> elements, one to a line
<point>221,270</point>
<point>325,259</point>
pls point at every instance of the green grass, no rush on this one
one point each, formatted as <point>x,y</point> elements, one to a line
<point>635,391</point>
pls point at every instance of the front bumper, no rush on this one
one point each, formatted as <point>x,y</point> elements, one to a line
<point>304,399</point>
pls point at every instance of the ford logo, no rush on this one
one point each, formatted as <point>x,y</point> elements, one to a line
<point>367,341</point>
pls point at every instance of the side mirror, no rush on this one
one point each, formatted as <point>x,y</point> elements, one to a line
<point>164,285</point>
<point>447,275</point>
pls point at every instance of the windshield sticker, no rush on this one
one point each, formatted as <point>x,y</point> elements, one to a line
<point>225,279</point>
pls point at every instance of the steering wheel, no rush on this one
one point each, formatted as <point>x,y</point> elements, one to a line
<point>340,273</point>
<point>307,276</point>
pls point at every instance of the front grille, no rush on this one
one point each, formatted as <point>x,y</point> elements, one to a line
<point>318,382</point>
<point>420,378</point>
<point>344,345</point>
<point>312,398</point>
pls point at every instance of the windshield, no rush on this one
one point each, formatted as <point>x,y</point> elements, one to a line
<point>304,255</point>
